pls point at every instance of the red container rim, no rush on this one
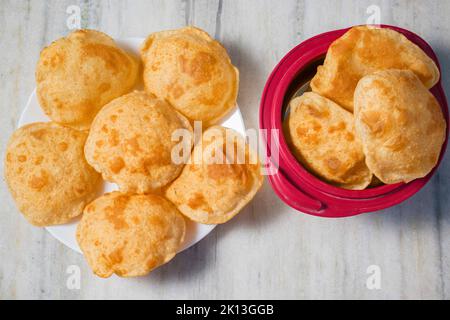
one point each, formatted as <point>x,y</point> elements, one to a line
<point>292,182</point>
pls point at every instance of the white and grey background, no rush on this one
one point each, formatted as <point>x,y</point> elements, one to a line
<point>269,250</point>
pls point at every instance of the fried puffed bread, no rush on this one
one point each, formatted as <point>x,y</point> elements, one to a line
<point>77,75</point>
<point>364,50</point>
<point>401,125</point>
<point>192,71</point>
<point>322,137</point>
<point>130,142</point>
<point>47,173</point>
<point>223,175</point>
<point>129,235</point>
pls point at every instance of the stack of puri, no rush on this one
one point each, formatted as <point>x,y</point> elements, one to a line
<point>370,118</point>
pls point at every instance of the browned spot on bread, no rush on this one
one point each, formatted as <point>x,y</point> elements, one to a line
<point>79,190</point>
<point>200,68</point>
<point>160,156</point>
<point>135,220</point>
<point>183,63</point>
<point>337,128</point>
<point>113,118</point>
<point>22,158</point>
<point>333,164</point>
<point>316,112</point>
<point>116,256</point>
<point>349,136</point>
<point>373,120</point>
<point>86,105</point>
<point>116,165</point>
<point>155,66</point>
<point>99,143</point>
<point>114,138</point>
<point>90,208</point>
<point>176,91</point>
<point>63,146</point>
<point>217,91</point>
<point>112,57</point>
<point>398,143</point>
<point>38,134</point>
<point>38,160</point>
<point>224,171</point>
<point>156,222</point>
<point>301,132</point>
<point>115,213</point>
<point>86,78</point>
<point>132,145</point>
<point>382,87</point>
<point>152,262</point>
<point>104,87</point>
<point>54,60</point>
<point>306,136</point>
<point>317,126</point>
<point>38,182</point>
<point>58,103</point>
<point>199,201</point>
<point>402,117</point>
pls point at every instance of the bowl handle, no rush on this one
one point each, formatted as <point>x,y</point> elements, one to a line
<point>294,197</point>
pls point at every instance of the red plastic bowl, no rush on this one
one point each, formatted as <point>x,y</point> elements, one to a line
<point>292,182</point>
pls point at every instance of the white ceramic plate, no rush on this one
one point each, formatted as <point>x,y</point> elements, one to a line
<point>66,233</point>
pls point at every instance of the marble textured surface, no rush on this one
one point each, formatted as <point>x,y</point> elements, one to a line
<point>269,250</point>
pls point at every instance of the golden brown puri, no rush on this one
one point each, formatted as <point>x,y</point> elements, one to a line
<point>322,137</point>
<point>130,142</point>
<point>77,75</point>
<point>400,124</point>
<point>362,51</point>
<point>129,235</point>
<point>222,176</point>
<point>192,71</point>
<point>47,174</point>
